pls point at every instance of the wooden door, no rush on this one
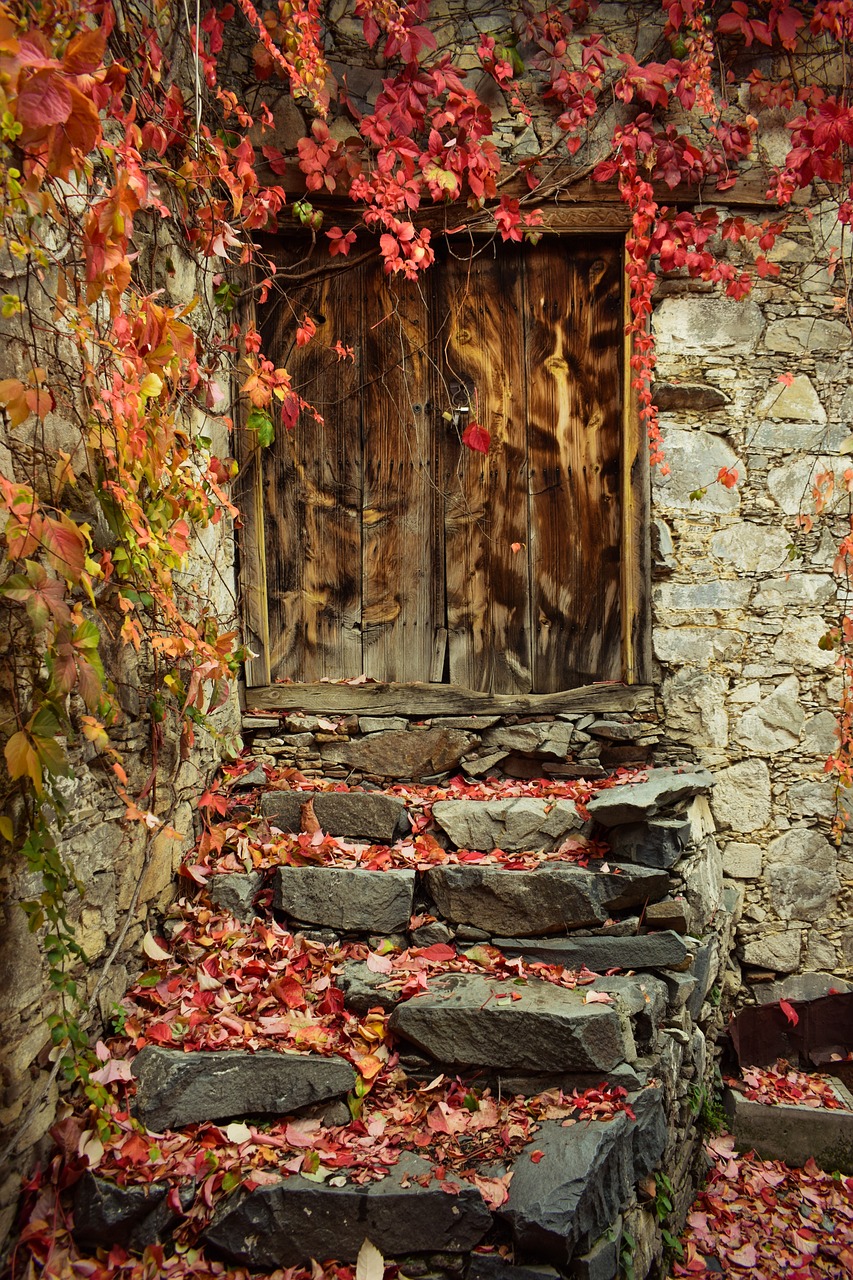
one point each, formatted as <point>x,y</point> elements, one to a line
<point>394,550</point>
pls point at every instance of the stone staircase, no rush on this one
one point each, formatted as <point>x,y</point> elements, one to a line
<point>570,986</point>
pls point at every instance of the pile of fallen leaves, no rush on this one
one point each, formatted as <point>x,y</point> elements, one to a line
<point>784,1085</point>
<point>763,1220</point>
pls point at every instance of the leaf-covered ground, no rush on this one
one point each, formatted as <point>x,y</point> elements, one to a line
<point>763,1220</point>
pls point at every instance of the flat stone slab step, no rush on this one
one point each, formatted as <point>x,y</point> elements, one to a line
<point>176,1088</point>
<point>583,1177</point>
<point>636,801</point>
<point>468,1020</point>
<point>289,1224</point>
<point>551,899</point>
<point>517,824</point>
<point>662,950</point>
<point>794,1133</point>
<point>347,899</point>
<point>357,815</point>
<point>134,1217</point>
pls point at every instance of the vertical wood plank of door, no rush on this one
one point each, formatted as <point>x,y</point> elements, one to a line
<point>402,590</point>
<point>478,317</point>
<point>573,359</point>
<point>313,491</point>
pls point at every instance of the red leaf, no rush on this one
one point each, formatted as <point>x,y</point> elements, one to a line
<point>789,1012</point>
<point>476,437</point>
<point>536,1156</point>
<point>438,951</point>
<point>44,100</point>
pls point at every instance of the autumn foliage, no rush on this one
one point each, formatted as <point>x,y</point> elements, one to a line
<point>110,128</point>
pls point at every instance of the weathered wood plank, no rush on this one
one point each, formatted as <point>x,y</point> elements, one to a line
<point>573,353</point>
<point>636,549</point>
<point>402,582</point>
<point>252,579</point>
<point>313,494</point>
<point>488,598</point>
<point>427,700</point>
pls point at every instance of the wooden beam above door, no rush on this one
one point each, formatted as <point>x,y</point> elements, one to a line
<point>428,700</point>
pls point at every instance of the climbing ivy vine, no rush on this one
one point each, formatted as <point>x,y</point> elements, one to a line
<point>116,119</point>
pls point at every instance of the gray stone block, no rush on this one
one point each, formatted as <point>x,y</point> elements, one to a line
<point>106,1214</point>
<point>794,1133</point>
<point>403,753</point>
<point>660,842</point>
<point>511,825</point>
<point>637,801</point>
<point>648,951</point>
<point>358,815</point>
<point>470,1020</point>
<point>363,989</point>
<point>551,899</point>
<point>236,893</point>
<point>176,1088</point>
<point>585,1177</point>
<point>297,1221</point>
<point>492,1266</point>
<point>348,899</point>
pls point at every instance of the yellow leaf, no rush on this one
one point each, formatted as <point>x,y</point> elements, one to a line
<point>150,385</point>
<point>22,760</point>
<point>370,1265</point>
<point>7,829</point>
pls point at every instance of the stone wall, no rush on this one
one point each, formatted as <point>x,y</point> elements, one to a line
<point>128,871</point>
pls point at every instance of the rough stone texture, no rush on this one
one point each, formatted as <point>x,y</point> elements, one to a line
<point>750,547</point>
<point>511,825</point>
<point>691,325</point>
<point>775,723</point>
<point>779,950</point>
<point>363,989</point>
<point>794,1134</point>
<point>696,709</point>
<point>647,951</point>
<point>341,898</point>
<point>695,397</point>
<point>702,874</point>
<point>106,1214</point>
<point>800,986</point>
<point>289,1224</point>
<point>360,815</point>
<point>740,800</point>
<point>660,842</point>
<point>800,875</point>
<point>176,1088</point>
<point>691,454</point>
<point>492,1266</point>
<point>635,801</point>
<point>236,893</point>
<point>402,753</point>
<point>742,861</point>
<point>474,1021</point>
<point>549,740</point>
<point>548,900</point>
<point>585,1176</point>
<point>805,335</point>
<point>797,400</point>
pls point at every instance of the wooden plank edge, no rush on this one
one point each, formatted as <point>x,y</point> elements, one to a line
<point>421,700</point>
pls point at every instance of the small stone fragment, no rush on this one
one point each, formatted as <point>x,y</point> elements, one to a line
<point>236,893</point>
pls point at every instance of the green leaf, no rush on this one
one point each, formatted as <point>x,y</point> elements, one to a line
<point>261,423</point>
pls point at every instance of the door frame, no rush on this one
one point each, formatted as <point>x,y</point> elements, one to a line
<point>634,694</point>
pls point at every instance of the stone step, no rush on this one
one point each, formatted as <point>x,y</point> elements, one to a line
<point>467,1020</point>
<point>176,1088</point>
<point>569,1185</point>
<point>348,899</point>
<point>523,823</point>
<point>357,815</point>
<point>553,898</point>
<point>637,801</point>
<point>297,1221</point>
<point>662,950</point>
